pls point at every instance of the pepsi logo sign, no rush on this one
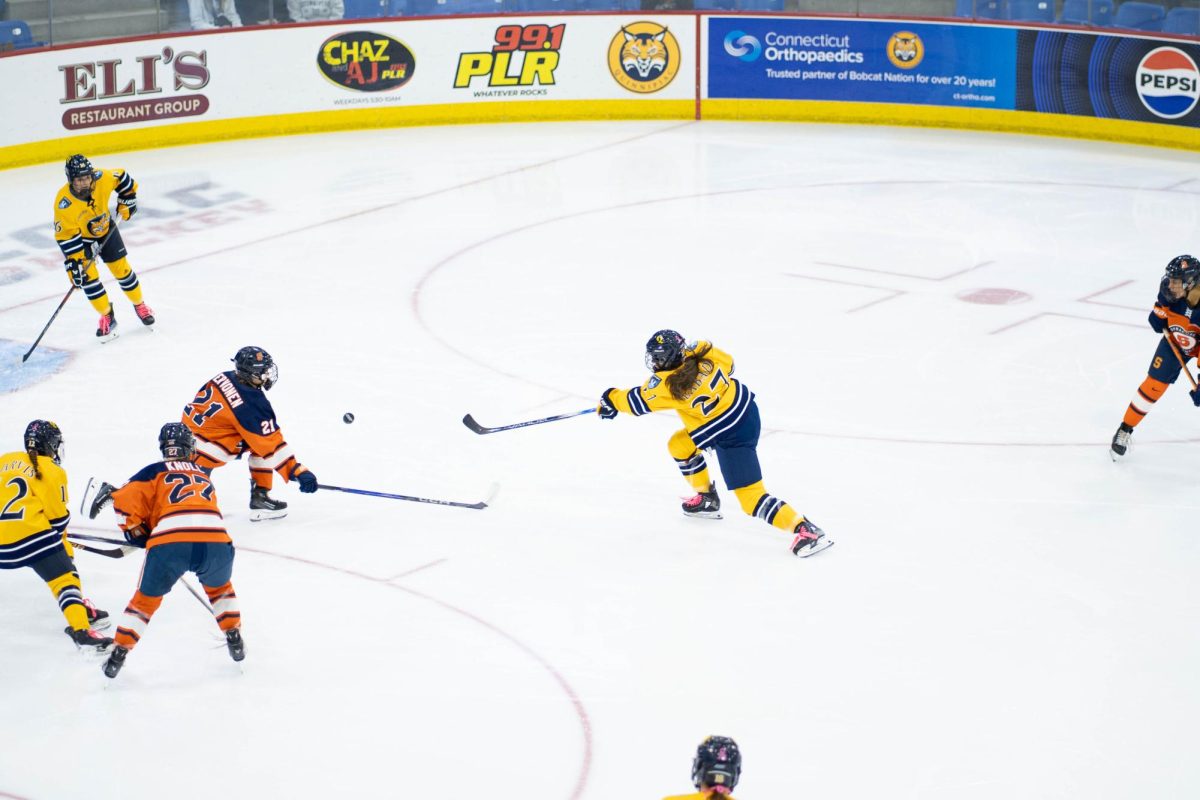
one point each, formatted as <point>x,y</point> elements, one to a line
<point>1168,82</point>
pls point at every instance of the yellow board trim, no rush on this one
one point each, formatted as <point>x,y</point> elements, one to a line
<point>981,119</point>
<point>183,133</point>
<point>991,120</point>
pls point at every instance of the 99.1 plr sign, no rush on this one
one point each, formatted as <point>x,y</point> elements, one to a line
<point>521,56</point>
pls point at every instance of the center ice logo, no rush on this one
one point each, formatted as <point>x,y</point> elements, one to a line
<point>1168,82</point>
<point>743,46</point>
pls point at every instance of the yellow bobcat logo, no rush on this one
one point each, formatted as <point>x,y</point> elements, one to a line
<point>643,54</point>
<point>905,50</point>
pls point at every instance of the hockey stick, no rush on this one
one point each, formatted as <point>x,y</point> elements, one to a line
<point>33,347</point>
<point>482,504</point>
<point>470,422</point>
<point>1179,357</point>
<point>72,535</point>
<point>116,552</point>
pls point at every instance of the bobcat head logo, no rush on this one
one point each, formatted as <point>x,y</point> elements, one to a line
<point>905,49</point>
<point>644,53</point>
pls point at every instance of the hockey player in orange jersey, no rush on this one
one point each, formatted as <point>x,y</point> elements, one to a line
<point>715,770</point>
<point>33,518</point>
<point>85,231</point>
<point>170,508</point>
<point>718,411</point>
<point>1174,312</point>
<point>231,416</point>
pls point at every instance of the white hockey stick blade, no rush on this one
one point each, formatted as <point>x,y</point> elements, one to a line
<point>87,496</point>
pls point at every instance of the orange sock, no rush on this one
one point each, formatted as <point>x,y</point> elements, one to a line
<point>1145,398</point>
<point>137,616</point>
<point>225,606</point>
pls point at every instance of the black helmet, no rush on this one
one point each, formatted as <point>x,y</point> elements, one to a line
<point>175,441</point>
<point>256,367</point>
<point>77,166</point>
<point>1185,268</point>
<point>718,763</point>
<point>43,438</point>
<point>664,350</point>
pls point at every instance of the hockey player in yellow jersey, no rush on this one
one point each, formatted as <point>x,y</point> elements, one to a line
<point>718,412</point>
<point>715,770</point>
<point>33,519</point>
<point>85,230</point>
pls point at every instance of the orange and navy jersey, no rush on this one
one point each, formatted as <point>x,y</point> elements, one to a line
<point>700,796</point>
<point>173,500</point>
<point>714,404</point>
<point>78,223</point>
<point>33,510</point>
<point>229,417</point>
<point>1177,314</point>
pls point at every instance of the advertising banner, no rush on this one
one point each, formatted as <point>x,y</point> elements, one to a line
<point>866,61</point>
<point>226,75</point>
<point>1116,77</point>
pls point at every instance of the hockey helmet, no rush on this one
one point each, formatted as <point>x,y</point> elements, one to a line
<point>78,167</point>
<point>255,366</point>
<point>718,764</point>
<point>664,350</point>
<point>175,441</point>
<point>1184,268</point>
<point>43,438</point>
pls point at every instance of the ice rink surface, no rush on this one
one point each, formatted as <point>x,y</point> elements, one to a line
<point>943,331</point>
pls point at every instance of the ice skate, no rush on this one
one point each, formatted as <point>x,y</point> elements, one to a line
<point>1120,441</point>
<point>263,507</point>
<point>809,540</point>
<point>88,640</point>
<point>705,505</point>
<point>237,647</point>
<point>98,619</point>
<point>116,660</point>
<point>106,330</point>
<point>145,314</point>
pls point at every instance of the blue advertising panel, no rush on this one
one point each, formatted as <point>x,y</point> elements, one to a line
<point>863,61</point>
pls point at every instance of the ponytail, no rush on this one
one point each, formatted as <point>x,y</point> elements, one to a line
<point>33,456</point>
<point>681,379</point>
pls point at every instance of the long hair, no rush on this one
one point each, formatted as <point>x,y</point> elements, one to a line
<point>37,472</point>
<point>681,379</point>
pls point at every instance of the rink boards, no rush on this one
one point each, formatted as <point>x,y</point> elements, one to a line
<point>248,82</point>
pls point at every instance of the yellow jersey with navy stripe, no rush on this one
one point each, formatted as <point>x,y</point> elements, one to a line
<point>33,511</point>
<point>700,796</point>
<point>713,405</point>
<point>78,223</point>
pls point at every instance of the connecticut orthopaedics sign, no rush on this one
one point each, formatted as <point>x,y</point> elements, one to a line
<point>191,87</point>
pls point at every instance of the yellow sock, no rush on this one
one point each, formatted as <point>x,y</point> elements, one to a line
<point>69,592</point>
<point>127,279</point>
<point>690,461</point>
<point>757,503</point>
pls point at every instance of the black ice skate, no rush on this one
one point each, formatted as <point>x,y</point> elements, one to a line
<point>809,540</point>
<point>116,660</point>
<point>233,640</point>
<point>1120,442</point>
<point>97,619</point>
<point>88,640</point>
<point>263,507</point>
<point>705,505</point>
<point>145,313</point>
<point>106,330</point>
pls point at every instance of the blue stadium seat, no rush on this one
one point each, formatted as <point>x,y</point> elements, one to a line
<point>430,8</point>
<point>762,5</point>
<point>981,9</point>
<point>485,7</point>
<point>3,9</point>
<point>364,9</point>
<point>1031,10</point>
<point>1098,13</point>
<point>1140,16</point>
<point>1182,20</point>
<point>715,5</point>
<point>15,35</point>
<point>397,8</point>
<point>552,6</point>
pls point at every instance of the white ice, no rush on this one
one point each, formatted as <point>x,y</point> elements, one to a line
<point>1006,614</point>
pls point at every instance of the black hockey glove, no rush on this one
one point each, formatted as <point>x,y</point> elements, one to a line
<point>76,271</point>
<point>308,481</point>
<point>137,535</point>
<point>1195,395</point>
<point>103,498</point>
<point>1158,323</point>
<point>606,409</point>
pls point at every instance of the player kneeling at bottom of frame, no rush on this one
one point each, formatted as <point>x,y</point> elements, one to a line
<point>231,415</point>
<point>718,412</point>
<point>170,508</point>
<point>715,770</point>
<point>33,496</point>
<point>1175,314</point>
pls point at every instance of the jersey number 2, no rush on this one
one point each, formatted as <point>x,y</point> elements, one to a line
<point>707,402</point>
<point>22,490</point>
<point>199,417</point>
<point>186,488</point>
